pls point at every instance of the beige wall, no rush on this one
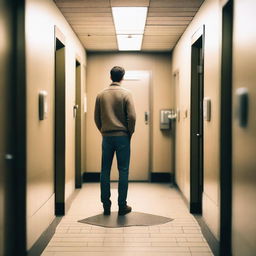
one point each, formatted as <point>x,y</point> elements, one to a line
<point>41,16</point>
<point>209,15</point>
<point>99,65</point>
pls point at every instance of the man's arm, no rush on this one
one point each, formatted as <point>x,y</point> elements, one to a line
<point>131,115</point>
<point>97,118</point>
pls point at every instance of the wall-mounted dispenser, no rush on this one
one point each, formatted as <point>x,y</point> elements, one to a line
<point>165,118</point>
<point>207,109</point>
<point>242,106</point>
<point>43,106</point>
<point>173,115</point>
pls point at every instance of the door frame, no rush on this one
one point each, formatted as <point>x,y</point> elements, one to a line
<point>21,132</point>
<point>226,130</point>
<point>150,123</point>
<point>78,124</point>
<point>176,77</point>
<point>196,126</point>
<point>60,132</point>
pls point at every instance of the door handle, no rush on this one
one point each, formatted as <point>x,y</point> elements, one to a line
<point>146,117</point>
<point>9,157</point>
<point>75,108</point>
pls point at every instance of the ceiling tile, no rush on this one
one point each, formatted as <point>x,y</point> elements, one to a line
<point>93,23</point>
<point>83,3</point>
<point>159,39</point>
<point>130,3</point>
<point>88,15</point>
<point>168,20</point>
<point>98,39</point>
<point>85,10</point>
<point>171,14</point>
<point>84,30</point>
<point>172,9</point>
<point>164,30</point>
<point>96,42</point>
<point>176,3</point>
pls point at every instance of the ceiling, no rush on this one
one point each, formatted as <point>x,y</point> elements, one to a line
<point>93,23</point>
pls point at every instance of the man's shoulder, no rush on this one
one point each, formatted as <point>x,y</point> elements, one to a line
<point>126,90</point>
<point>110,89</point>
<point>102,92</point>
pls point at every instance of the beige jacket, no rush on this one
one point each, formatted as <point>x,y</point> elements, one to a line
<point>114,113</point>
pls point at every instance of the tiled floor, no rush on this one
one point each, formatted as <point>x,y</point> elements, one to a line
<point>182,236</point>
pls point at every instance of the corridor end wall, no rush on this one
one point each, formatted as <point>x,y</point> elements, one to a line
<point>98,78</point>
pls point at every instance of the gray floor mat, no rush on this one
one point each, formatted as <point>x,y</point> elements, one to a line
<point>131,219</point>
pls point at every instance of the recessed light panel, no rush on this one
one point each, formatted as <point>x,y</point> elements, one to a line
<point>129,20</point>
<point>129,24</point>
<point>129,42</point>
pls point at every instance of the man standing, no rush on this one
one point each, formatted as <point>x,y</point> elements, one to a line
<point>115,118</point>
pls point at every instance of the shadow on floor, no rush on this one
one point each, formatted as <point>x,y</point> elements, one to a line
<point>131,219</point>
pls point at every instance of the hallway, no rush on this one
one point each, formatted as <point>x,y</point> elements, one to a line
<point>190,69</point>
<point>180,237</point>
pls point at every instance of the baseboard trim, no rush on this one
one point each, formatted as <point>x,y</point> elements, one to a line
<point>154,177</point>
<point>91,177</point>
<point>161,177</point>
<point>195,208</point>
<point>59,209</point>
<point>44,239</point>
<point>210,238</point>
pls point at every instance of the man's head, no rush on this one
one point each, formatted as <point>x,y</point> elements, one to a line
<point>117,74</point>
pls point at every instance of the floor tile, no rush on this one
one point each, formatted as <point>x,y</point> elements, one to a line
<point>180,237</point>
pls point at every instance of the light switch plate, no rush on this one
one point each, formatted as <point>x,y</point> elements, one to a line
<point>207,109</point>
<point>43,105</point>
<point>242,106</point>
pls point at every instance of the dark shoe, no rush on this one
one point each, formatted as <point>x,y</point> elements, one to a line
<point>106,208</point>
<point>124,210</point>
<point>106,211</point>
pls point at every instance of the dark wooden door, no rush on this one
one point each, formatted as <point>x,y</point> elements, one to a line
<point>60,128</point>
<point>12,132</point>
<point>196,134</point>
<point>226,131</point>
<point>78,137</point>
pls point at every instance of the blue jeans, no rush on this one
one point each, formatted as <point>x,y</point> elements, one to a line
<point>110,145</point>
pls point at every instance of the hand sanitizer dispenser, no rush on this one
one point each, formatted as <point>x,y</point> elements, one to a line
<point>43,106</point>
<point>165,123</point>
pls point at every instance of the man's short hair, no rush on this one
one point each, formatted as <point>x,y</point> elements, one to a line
<point>117,73</point>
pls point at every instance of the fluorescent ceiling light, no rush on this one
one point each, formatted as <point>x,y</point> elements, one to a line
<point>129,20</point>
<point>129,42</point>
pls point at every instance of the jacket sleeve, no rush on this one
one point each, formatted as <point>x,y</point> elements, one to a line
<point>131,115</point>
<point>97,117</point>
